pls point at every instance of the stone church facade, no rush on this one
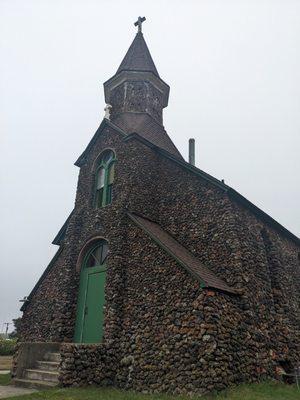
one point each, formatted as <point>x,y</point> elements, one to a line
<point>165,278</point>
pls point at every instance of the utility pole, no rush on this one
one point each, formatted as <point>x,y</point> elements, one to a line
<point>6,330</point>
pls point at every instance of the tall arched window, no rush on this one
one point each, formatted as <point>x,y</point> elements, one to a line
<point>104,178</point>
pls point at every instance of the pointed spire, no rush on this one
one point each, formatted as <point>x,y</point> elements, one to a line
<point>138,57</point>
<point>137,95</point>
<point>137,86</point>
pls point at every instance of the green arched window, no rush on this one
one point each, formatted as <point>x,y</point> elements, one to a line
<point>96,256</point>
<point>104,178</point>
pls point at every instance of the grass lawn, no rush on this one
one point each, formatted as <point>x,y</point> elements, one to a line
<point>261,391</point>
<point>5,362</point>
<point>4,379</point>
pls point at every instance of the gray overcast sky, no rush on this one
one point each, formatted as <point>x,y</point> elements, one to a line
<point>234,72</point>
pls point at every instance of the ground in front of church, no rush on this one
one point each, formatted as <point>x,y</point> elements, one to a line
<point>261,391</point>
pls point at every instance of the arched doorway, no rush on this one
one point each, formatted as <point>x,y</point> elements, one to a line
<point>91,297</point>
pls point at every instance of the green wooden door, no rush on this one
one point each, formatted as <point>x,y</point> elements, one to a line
<point>91,300</point>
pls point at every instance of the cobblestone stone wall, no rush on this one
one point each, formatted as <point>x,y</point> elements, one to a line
<point>87,364</point>
<point>48,314</point>
<point>162,331</point>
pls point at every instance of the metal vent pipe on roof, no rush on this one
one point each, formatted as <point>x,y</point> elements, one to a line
<point>192,151</point>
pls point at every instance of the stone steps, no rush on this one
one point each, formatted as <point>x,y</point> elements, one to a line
<point>55,357</point>
<point>41,375</point>
<point>48,365</point>
<point>32,384</point>
<point>44,375</point>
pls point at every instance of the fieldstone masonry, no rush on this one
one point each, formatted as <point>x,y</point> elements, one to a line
<point>137,96</point>
<point>164,331</point>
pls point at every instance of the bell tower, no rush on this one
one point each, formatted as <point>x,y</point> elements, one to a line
<point>137,87</point>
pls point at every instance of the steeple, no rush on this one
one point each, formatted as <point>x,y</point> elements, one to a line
<point>137,95</point>
<point>137,87</point>
<point>138,57</point>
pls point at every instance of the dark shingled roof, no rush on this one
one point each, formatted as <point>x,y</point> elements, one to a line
<point>183,256</point>
<point>148,128</point>
<point>138,57</point>
<point>136,123</point>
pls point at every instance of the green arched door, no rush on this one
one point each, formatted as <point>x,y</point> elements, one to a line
<point>91,297</point>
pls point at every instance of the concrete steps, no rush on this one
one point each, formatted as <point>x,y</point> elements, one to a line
<point>32,384</point>
<point>54,357</point>
<point>43,376</point>
<point>48,365</point>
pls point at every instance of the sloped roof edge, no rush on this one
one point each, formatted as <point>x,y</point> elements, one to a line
<point>262,215</point>
<point>81,159</point>
<point>181,254</point>
<point>231,192</point>
<point>105,122</point>
<point>61,233</point>
<point>55,257</point>
<point>181,162</point>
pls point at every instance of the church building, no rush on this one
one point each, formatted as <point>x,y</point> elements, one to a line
<point>165,278</point>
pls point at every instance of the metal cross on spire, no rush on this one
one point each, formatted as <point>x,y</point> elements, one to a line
<point>139,22</point>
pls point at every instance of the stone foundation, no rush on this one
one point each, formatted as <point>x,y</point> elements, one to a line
<point>86,364</point>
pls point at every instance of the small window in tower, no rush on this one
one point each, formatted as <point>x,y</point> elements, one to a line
<point>104,178</point>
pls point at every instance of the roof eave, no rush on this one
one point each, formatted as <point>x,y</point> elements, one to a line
<point>262,215</point>
<point>179,161</point>
<point>231,192</point>
<point>203,282</point>
<point>61,233</point>
<point>55,257</point>
<point>136,75</point>
<point>106,122</point>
